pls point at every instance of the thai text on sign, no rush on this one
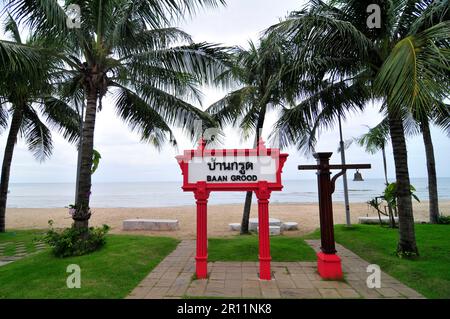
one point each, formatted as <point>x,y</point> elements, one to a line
<point>233,169</point>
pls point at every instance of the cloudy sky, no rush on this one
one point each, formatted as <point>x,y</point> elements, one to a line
<point>125,158</point>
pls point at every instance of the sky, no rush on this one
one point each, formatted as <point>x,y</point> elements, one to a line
<point>126,159</point>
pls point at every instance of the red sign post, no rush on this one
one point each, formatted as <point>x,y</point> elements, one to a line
<point>258,170</point>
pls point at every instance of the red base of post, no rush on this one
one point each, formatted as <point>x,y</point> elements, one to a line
<point>264,269</point>
<point>329,266</point>
<point>201,267</point>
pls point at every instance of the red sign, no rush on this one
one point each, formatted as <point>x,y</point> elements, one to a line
<point>257,170</point>
<point>232,169</point>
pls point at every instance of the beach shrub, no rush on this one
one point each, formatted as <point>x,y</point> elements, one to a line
<point>75,242</point>
<point>444,220</point>
<point>390,194</point>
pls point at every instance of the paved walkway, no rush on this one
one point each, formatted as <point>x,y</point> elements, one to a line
<point>20,251</point>
<point>173,278</point>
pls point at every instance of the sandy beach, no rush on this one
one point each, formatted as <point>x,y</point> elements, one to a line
<point>219,216</point>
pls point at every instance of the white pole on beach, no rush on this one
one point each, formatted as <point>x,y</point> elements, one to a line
<point>344,177</point>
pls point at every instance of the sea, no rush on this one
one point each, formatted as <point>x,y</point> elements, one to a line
<point>166,194</point>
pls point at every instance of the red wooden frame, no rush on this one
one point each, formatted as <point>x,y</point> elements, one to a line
<point>262,189</point>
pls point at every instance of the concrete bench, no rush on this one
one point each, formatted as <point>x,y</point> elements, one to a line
<point>273,230</point>
<point>289,226</point>
<point>235,226</point>
<point>150,224</point>
<point>375,220</point>
<point>253,223</point>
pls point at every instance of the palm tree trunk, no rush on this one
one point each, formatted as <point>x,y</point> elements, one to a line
<point>246,213</point>
<point>390,211</point>
<point>82,214</point>
<point>249,195</point>
<point>431,169</point>
<point>407,241</point>
<point>6,166</point>
<point>383,151</point>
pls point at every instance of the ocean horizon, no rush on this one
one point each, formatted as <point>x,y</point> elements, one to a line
<point>170,194</point>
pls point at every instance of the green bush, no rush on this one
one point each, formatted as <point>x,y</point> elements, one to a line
<point>445,220</point>
<point>75,242</point>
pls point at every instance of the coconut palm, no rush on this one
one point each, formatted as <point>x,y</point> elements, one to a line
<point>441,118</point>
<point>256,72</point>
<point>378,136</point>
<point>129,50</point>
<point>25,92</point>
<point>404,64</point>
<point>375,140</point>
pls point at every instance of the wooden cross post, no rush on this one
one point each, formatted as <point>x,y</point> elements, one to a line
<point>328,262</point>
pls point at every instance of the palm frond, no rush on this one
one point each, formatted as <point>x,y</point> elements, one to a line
<point>376,138</point>
<point>177,83</point>
<point>37,136</point>
<point>18,57</point>
<point>173,109</point>
<point>4,114</point>
<point>427,13</point>
<point>300,125</point>
<point>205,61</point>
<point>62,118</point>
<point>416,72</point>
<point>156,13</point>
<point>169,108</point>
<point>406,16</point>
<point>441,116</point>
<point>41,15</point>
<point>143,118</point>
<point>234,106</point>
<point>130,41</point>
<point>12,29</point>
<point>322,34</point>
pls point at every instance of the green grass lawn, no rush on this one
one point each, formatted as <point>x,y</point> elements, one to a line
<point>429,274</point>
<point>111,272</point>
<point>118,267</point>
<point>245,248</point>
<point>12,238</point>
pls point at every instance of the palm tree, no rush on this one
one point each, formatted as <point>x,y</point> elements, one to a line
<point>24,93</point>
<point>404,64</point>
<point>375,140</point>
<point>377,137</point>
<point>431,170</point>
<point>441,118</point>
<point>129,50</point>
<point>256,71</point>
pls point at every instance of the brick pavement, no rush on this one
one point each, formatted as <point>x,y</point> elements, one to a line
<point>20,251</point>
<point>174,278</point>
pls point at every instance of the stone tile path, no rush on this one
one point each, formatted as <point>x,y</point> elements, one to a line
<point>20,251</point>
<point>173,278</point>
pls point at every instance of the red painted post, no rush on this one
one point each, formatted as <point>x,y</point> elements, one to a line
<point>328,263</point>
<point>201,258</point>
<point>325,203</point>
<point>263,194</point>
